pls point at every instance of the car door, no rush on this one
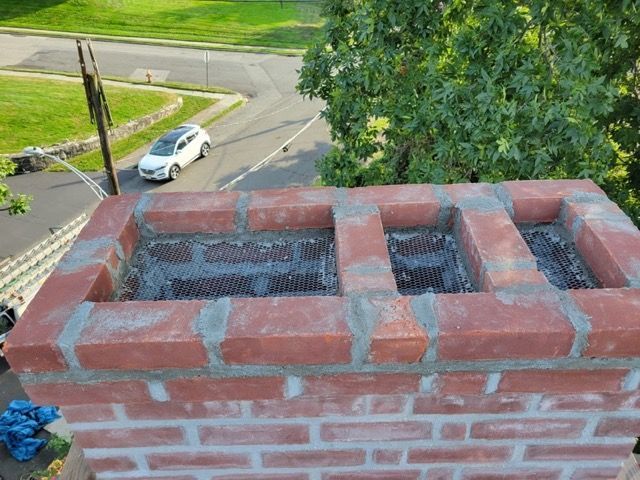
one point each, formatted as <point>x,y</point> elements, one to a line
<point>192,146</point>
<point>182,152</point>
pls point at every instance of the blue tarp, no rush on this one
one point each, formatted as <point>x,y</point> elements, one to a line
<point>18,425</point>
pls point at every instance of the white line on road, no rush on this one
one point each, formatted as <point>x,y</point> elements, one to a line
<point>253,119</point>
<point>268,158</point>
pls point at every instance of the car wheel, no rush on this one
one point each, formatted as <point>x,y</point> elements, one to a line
<point>174,172</point>
<point>204,149</point>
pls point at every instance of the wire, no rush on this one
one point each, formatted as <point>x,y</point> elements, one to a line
<point>284,147</point>
<point>100,193</point>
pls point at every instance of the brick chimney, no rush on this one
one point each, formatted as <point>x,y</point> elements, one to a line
<point>399,332</point>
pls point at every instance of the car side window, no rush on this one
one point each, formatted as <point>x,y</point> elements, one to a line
<point>191,137</point>
<point>181,145</point>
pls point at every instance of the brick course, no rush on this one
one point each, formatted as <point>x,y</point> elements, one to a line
<point>516,380</point>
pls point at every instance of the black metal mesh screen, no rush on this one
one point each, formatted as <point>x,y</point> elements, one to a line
<point>426,261</point>
<point>558,258</point>
<point>208,268</point>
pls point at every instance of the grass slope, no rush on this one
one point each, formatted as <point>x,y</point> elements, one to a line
<point>92,161</point>
<point>44,112</point>
<point>239,23</point>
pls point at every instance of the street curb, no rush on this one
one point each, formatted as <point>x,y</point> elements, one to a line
<point>225,47</point>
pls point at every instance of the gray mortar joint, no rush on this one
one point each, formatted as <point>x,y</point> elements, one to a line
<point>354,211</point>
<point>446,206</point>
<point>70,334</point>
<point>581,323</point>
<point>241,216</point>
<point>425,368</point>
<point>505,197</point>
<point>211,325</point>
<point>361,318</point>
<point>342,197</point>
<point>424,310</point>
<point>138,214</point>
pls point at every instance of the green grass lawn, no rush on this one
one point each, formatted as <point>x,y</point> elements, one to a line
<point>92,161</point>
<point>43,112</point>
<point>239,23</point>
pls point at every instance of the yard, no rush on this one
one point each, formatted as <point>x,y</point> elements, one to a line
<point>43,112</point>
<point>292,25</point>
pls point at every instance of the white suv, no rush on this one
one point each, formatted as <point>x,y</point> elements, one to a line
<point>174,151</point>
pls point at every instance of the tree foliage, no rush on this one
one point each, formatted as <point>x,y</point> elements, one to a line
<point>478,90</point>
<point>14,204</point>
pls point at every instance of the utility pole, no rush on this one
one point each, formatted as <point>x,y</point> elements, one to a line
<point>99,113</point>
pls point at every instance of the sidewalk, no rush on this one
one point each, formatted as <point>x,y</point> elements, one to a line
<point>290,52</point>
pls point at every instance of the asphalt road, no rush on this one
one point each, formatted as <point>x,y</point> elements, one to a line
<point>275,112</point>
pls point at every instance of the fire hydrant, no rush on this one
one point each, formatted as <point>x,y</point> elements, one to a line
<point>149,76</point>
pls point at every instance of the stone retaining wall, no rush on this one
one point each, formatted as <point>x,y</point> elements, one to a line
<point>67,150</point>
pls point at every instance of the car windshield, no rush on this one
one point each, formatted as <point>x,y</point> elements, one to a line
<point>163,148</point>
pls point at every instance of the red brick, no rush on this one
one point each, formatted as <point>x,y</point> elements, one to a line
<point>142,336</point>
<point>538,201</point>
<point>619,427</point>
<point>595,473</point>
<point>460,382</point>
<point>291,208</point>
<point>123,391</point>
<point>589,211</point>
<point>453,431</point>
<point>528,428</point>
<point>463,191</point>
<point>114,219</point>
<point>313,458</point>
<point>562,381</point>
<point>254,434</point>
<point>130,437</point>
<point>494,281</point>
<point>88,413</point>
<point>32,345</point>
<point>377,475</point>
<point>453,404</point>
<point>440,474</point>
<point>192,212</point>
<point>397,337</point>
<point>594,402</point>
<point>362,384</point>
<point>511,474</point>
<point>483,326</point>
<point>400,205</point>
<point>286,331</point>
<point>174,410</point>
<point>309,407</point>
<point>351,233</point>
<point>572,453</point>
<point>351,282</point>
<point>197,460</point>
<point>111,464</point>
<point>258,476</point>
<point>209,389</point>
<point>491,237</point>
<point>387,457</point>
<point>375,432</point>
<point>614,321</point>
<point>385,404</point>
<point>461,454</point>
<point>612,250</point>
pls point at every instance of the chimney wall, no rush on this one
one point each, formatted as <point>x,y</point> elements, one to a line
<point>517,380</point>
